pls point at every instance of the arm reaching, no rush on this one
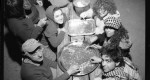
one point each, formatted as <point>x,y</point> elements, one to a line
<point>95,59</point>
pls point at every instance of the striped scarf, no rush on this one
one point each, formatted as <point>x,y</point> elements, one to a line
<point>118,73</point>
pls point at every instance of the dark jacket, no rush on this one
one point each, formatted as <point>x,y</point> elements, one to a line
<point>23,28</point>
<point>43,72</point>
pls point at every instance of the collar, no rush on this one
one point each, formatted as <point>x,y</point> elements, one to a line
<point>26,60</point>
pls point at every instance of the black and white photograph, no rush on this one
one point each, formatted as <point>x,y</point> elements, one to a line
<point>73,39</point>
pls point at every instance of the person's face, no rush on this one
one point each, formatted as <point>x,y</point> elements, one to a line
<point>37,55</point>
<point>58,16</point>
<point>107,63</point>
<point>102,12</point>
<point>109,32</point>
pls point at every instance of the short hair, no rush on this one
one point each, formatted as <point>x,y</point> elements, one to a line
<point>14,8</point>
<point>114,53</point>
<point>108,5</point>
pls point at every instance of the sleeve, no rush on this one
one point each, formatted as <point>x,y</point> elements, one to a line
<point>64,76</point>
<point>32,73</point>
<point>133,74</point>
<point>52,64</point>
<point>25,30</point>
<point>39,76</point>
<point>35,31</point>
<point>36,77</point>
<point>51,33</point>
<point>49,54</point>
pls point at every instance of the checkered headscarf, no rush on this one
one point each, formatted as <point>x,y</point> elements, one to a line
<point>117,73</point>
<point>112,22</point>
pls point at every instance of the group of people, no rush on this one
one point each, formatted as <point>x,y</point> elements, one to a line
<point>42,39</point>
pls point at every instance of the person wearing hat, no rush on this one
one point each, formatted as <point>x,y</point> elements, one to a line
<point>103,9</point>
<point>115,35</point>
<point>37,67</point>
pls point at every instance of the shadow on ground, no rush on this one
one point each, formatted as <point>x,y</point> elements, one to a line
<point>14,49</point>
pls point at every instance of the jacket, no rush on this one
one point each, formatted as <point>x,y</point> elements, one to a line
<point>42,72</point>
<point>23,28</point>
<point>51,32</point>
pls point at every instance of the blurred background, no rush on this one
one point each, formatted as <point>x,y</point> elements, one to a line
<point>133,18</point>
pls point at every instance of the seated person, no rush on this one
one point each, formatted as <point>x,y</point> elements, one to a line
<point>114,66</point>
<point>55,30</point>
<point>114,35</point>
<point>102,10</point>
<point>31,11</point>
<point>74,10</point>
<point>21,26</point>
<point>37,67</point>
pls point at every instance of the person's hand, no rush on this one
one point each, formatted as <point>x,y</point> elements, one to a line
<point>73,70</point>
<point>83,15</point>
<point>99,26</point>
<point>40,3</point>
<point>96,46</point>
<point>87,14</point>
<point>90,39</point>
<point>42,22</point>
<point>95,59</point>
<point>99,30</point>
<point>93,39</point>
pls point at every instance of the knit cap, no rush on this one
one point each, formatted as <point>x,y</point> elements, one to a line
<point>30,45</point>
<point>81,3</point>
<point>113,22</point>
